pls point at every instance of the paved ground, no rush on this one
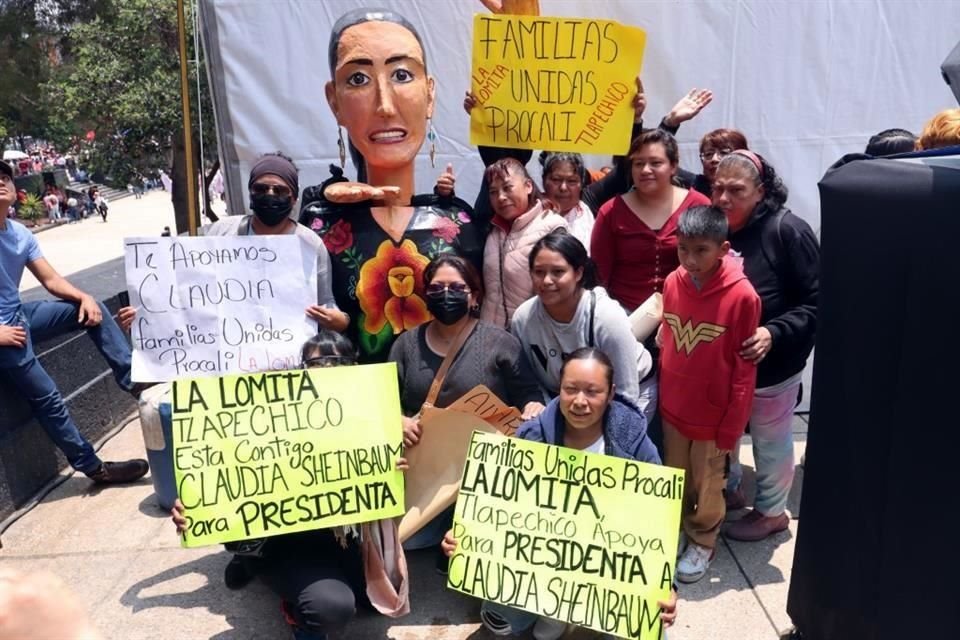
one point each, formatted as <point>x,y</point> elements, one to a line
<point>118,551</point>
<point>91,242</point>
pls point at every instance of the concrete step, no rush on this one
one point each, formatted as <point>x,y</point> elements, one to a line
<point>109,193</point>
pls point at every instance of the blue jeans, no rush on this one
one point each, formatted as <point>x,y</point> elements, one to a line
<point>21,369</point>
<point>518,619</point>
<point>432,533</point>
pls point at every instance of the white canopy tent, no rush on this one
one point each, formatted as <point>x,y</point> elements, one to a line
<point>807,82</point>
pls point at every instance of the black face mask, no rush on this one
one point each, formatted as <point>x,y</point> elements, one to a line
<point>270,209</point>
<point>449,308</point>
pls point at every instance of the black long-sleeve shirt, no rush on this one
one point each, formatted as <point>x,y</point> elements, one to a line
<point>781,257</point>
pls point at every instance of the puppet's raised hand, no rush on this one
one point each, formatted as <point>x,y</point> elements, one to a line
<point>513,7</point>
<point>350,192</point>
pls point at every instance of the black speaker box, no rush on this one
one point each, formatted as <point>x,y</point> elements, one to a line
<point>876,557</point>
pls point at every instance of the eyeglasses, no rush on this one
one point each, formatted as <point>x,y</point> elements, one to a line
<point>437,289</point>
<point>707,154</point>
<point>323,362</point>
<point>260,189</point>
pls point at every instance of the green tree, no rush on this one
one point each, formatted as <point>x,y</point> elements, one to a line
<point>31,43</point>
<point>25,48</point>
<point>120,77</point>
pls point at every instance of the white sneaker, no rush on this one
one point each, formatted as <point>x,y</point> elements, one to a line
<point>694,563</point>
<point>548,629</point>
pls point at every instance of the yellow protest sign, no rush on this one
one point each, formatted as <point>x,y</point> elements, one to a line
<point>563,84</point>
<point>584,538</point>
<point>283,451</point>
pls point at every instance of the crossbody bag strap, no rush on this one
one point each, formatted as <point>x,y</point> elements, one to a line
<point>593,308</point>
<point>452,352</point>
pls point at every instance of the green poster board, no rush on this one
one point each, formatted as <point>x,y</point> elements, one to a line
<point>270,453</point>
<point>584,538</point>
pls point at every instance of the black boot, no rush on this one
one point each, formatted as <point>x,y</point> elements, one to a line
<point>237,575</point>
<point>119,472</point>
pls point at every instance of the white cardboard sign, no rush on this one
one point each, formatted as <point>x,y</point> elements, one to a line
<point>220,304</point>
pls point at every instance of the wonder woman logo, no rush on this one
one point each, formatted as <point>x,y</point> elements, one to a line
<point>687,336</point>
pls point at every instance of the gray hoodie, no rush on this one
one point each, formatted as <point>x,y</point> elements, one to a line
<point>545,341</point>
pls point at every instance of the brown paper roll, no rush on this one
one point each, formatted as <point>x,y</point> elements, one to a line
<point>646,318</point>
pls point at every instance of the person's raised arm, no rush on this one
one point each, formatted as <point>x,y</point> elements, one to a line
<point>90,314</point>
<point>686,108</point>
<point>445,183</point>
<point>489,155</point>
<point>618,180</point>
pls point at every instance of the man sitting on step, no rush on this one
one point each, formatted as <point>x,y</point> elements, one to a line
<point>21,324</point>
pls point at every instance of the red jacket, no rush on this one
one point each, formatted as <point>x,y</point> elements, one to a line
<point>706,388</point>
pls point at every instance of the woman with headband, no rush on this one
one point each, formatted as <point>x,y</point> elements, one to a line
<point>781,257</point>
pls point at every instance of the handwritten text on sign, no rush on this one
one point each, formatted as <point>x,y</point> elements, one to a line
<point>214,305</point>
<point>584,538</point>
<point>263,454</point>
<point>563,84</point>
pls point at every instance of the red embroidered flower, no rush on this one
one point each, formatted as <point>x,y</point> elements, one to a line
<point>339,237</point>
<point>391,288</point>
<point>446,229</point>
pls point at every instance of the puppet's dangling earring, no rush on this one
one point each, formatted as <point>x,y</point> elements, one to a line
<point>432,137</point>
<point>342,148</point>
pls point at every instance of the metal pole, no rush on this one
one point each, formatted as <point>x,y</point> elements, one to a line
<point>191,172</point>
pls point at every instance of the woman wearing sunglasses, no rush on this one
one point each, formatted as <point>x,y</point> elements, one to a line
<point>480,354</point>
<point>273,188</point>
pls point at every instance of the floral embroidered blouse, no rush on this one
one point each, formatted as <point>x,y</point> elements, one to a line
<point>378,281</point>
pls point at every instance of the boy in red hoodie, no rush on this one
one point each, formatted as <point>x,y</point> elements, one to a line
<point>706,388</point>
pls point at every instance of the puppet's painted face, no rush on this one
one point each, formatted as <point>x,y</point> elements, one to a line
<point>381,93</point>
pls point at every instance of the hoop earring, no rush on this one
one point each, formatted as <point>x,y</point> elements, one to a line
<point>432,137</point>
<point>342,148</point>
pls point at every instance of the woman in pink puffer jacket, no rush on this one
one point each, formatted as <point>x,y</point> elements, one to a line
<point>521,218</point>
